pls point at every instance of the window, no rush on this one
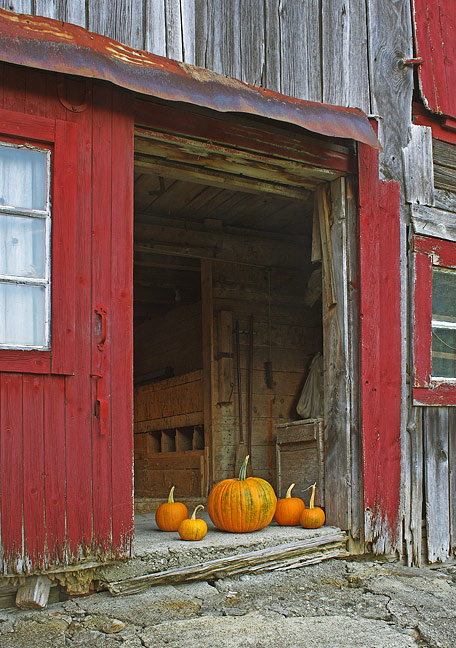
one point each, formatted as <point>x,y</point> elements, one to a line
<point>38,168</point>
<point>435,321</point>
<point>24,247</point>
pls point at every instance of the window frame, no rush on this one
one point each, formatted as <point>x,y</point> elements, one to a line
<point>61,138</point>
<point>44,215</point>
<point>429,253</point>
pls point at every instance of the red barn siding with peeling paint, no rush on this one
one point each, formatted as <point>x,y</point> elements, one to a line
<point>58,491</point>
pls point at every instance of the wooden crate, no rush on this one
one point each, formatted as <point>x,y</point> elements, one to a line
<point>301,458</point>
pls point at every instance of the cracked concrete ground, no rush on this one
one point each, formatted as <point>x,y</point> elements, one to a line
<point>335,604</point>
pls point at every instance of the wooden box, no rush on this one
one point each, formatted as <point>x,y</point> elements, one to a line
<point>301,458</point>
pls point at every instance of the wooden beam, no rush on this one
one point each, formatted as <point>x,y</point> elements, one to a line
<point>190,172</point>
<point>34,593</point>
<point>207,309</point>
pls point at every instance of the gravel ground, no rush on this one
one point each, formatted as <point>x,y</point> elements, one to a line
<point>336,604</point>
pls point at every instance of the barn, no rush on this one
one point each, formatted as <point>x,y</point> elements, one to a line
<point>206,214</point>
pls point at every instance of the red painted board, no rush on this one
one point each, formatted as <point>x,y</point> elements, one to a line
<point>440,130</point>
<point>423,317</point>
<point>439,394</point>
<point>380,354</point>
<point>11,473</point>
<point>54,468</point>
<point>102,156</point>
<point>122,325</point>
<point>33,462</point>
<point>78,401</point>
<point>440,251</point>
<point>435,42</point>
<point>38,362</point>
<point>64,215</point>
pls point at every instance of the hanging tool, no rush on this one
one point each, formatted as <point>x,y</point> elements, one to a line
<point>250,390</point>
<point>241,449</point>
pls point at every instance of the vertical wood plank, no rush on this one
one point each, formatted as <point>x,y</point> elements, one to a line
<point>272,75</point>
<point>389,31</point>
<point>19,6</point>
<point>76,12</point>
<point>102,154</point>
<point>78,402</point>
<point>174,41</point>
<point>64,216</point>
<point>381,352</point>
<point>413,483</point>
<point>437,483</point>
<point>11,471</point>
<point>187,9</point>
<point>208,360</point>
<point>452,476</point>
<point>344,54</point>
<point>50,9</point>
<point>155,27</point>
<point>300,49</point>
<point>54,469</point>
<point>122,324</point>
<point>33,463</point>
<point>336,370</point>
<point>223,46</point>
<point>418,166</point>
<point>35,98</point>
<point>252,43</point>
<point>14,88</point>
<point>121,20</point>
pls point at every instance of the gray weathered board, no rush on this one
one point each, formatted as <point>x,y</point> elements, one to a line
<point>281,557</point>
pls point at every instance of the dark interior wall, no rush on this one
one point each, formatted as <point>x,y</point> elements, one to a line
<point>172,339</point>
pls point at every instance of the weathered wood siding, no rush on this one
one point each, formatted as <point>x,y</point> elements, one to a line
<point>67,488</point>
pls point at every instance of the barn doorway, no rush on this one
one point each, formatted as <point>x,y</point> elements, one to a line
<point>228,314</point>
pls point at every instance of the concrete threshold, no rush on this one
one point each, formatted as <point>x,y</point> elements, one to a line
<point>162,558</point>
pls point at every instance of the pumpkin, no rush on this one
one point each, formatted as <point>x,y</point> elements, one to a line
<point>289,509</point>
<point>193,528</point>
<point>312,517</point>
<point>170,514</point>
<point>242,505</point>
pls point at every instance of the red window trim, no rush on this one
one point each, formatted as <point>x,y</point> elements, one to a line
<point>62,137</point>
<point>429,253</point>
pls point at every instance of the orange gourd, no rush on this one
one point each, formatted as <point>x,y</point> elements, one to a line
<point>193,528</point>
<point>289,509</point>
<point>242,505</point>
<point>170,514</point>
<point>312,517</point>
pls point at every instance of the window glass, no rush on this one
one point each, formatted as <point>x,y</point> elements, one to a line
<point>22,315</point>
<point>443,323</point>
<point>22,246</point>
<point>22,178</point>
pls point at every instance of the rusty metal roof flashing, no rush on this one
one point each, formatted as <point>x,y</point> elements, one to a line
<point>47,44</point>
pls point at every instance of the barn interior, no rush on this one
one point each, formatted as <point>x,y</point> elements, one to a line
<point>227,301</point>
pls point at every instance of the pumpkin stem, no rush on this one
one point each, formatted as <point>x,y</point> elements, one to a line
<point>243,470</point>
<point>200,506</point>
<point>171,496</point>
<point>312,497</point>
<point>289,490</point>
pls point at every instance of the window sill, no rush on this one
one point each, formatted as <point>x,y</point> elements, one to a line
<point>14,360</point>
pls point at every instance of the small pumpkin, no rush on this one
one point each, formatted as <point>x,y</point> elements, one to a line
<point>193,528</point>
<point>312,517</point>
<point>170,514</point>
<point>289,509</point>
<point>242,504</point>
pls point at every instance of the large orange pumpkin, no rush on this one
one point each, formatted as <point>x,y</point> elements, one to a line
<point>242,505</point>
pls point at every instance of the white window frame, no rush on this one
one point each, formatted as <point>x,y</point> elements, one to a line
<point>45,215</point>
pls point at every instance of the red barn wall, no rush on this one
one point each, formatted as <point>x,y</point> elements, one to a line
<point>59,474</point>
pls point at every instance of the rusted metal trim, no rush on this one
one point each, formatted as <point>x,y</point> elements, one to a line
<point>47,44</point>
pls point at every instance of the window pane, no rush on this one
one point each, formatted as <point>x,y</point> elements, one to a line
<point>443,352</point>
<point>22,315</point>
<point>22,178</point>
<point>444,294</point>
<point>22,246</point>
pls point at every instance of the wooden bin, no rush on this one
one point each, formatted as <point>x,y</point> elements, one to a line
<point>301,458</point>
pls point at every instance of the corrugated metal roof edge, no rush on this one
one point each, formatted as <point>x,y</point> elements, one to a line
<point>47,44</point>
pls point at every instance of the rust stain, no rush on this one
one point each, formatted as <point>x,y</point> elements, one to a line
<point>47,44</point>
